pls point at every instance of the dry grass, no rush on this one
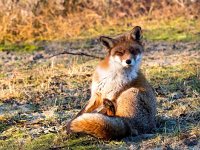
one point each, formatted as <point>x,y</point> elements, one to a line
<point>29,21</point>
<point>37,97</point>
<point>27,82</point>
<point>56,87</point>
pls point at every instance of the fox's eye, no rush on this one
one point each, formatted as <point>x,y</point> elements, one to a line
<point>119,53</point>
<point>135,51</point>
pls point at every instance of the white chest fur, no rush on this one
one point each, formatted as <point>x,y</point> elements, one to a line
<point>113,80</point>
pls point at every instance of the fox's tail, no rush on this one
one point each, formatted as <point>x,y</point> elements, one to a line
<point>100,126</point>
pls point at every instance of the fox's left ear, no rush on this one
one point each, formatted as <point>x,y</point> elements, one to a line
<point>136,33</point>
<point>107,41</point>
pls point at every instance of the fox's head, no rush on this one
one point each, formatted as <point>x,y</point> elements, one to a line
<point>125,50</point>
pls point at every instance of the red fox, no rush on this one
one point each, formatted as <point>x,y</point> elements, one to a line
<point>122,101</point>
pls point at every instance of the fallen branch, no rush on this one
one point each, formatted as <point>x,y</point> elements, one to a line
<point>79,54</point>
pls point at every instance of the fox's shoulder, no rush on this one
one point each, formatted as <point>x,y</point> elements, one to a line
<point>101,70</point>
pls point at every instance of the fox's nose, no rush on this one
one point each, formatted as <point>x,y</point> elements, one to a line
<point>128,61</point>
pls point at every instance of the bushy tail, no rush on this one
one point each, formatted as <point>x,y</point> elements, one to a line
<point>100,126</point>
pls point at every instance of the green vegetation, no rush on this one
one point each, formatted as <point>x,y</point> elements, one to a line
<point>43,142</point>
<point>177,77</point>
<point>179,29</point>
<point>19,47</point>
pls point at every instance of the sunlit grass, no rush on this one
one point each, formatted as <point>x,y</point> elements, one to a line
<point>177,29</point>
<point>66,82</point>
<point>74,78</point>
<point>173,29</point>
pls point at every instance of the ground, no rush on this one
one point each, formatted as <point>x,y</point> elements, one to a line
<point>40,94</point>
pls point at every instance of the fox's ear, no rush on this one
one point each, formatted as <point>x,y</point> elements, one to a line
<point>136,33</point>
<point>107,41</point>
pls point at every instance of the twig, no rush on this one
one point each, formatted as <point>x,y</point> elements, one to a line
<point>80,54</point>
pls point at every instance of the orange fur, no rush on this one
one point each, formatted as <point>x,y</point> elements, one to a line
<point>122,101</point>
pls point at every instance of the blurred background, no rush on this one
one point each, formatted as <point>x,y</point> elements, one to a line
<point>40,93</point>
<point>36,20</point>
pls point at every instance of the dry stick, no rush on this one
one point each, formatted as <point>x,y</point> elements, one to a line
<point>80,54</point>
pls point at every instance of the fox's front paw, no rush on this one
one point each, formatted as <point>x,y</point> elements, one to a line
<point>109,105</point>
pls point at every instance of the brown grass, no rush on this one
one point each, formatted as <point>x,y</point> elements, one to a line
<point>38,97</point>
<point>60,87</point>
<point>35,21</point>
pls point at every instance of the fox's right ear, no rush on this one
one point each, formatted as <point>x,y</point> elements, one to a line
<point>107,41</point>
<point>136,33</point>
